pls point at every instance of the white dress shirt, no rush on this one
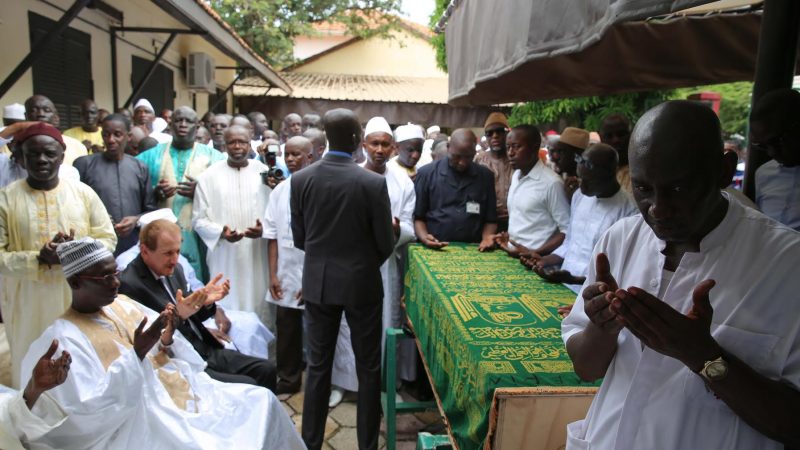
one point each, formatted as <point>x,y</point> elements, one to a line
<point>590,217</point>
<point>651,401</point>
<point>277,225</point>
<point>537,206</point>
<point>778,193</point>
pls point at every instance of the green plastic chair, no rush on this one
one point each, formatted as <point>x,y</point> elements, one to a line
<point>389,389</point>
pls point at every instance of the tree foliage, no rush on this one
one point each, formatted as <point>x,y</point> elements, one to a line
<point>734,109</point>
<point>270,26</point>
<point>585,112</point>
<point>438,40</point>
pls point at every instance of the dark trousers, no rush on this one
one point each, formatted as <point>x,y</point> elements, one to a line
<point>289,348</point>
<point>322,321</point>
<point>231,366</point>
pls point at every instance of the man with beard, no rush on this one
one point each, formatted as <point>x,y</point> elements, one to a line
<point>41,109</point>
<point>121,181</point>
<point>174,168</point>
<point>496,159</point>
<point>37,214</point>
<point>595,207</point>
<point>229,203</point>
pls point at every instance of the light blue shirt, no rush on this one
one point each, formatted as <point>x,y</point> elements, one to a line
<point>778,193</point>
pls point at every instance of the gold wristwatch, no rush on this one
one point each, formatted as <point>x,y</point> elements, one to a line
<point>714,370</point>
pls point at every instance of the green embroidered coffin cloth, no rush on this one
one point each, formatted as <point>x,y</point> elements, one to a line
<point>483,321</point>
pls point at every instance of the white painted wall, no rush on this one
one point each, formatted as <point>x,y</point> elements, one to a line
<point>15,38</point>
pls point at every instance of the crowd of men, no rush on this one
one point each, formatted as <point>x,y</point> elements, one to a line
<point>148,262</point>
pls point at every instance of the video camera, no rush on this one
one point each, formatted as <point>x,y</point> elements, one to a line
<point>270,158</point>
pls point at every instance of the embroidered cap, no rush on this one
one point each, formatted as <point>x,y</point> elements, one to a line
<point>78,255</point>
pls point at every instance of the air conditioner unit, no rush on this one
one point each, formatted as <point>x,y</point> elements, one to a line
<point>200,73</point>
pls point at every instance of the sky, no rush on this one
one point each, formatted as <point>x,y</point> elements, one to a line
<point>418,10</point>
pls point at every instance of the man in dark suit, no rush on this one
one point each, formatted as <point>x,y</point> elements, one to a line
<point>155,279</point>
<point>341,217</point>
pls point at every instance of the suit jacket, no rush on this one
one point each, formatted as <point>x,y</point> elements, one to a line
<point>341,217</point>
<point>139,284</point>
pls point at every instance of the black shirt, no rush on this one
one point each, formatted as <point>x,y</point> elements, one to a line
<point>442,198</point>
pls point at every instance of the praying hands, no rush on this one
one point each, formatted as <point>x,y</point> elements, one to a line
<point>47,374</point>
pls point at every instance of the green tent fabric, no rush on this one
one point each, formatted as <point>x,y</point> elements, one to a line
<point>484,322</point>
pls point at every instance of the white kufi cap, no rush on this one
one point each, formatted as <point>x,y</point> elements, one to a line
<point>406,132</point>
<point>159,214</point>
<point>377,124</point>
<point>144,103</point>
<point>14,111</point>
<point>77,256</point>
<point>433,129</point>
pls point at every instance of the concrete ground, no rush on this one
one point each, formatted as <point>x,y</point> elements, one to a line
<point>340,431</point>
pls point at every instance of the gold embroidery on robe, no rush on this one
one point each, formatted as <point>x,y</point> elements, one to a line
<point>105,343</point>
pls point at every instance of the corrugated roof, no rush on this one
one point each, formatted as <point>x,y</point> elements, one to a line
<point>370,88</point>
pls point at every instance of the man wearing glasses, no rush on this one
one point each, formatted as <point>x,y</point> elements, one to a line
<point>775,129</point>
<point>496,160</point>
<point>595,207</point>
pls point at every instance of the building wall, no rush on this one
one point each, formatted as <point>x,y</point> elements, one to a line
<point>307,46</point>
<point>406,55</point>
<point>137,13</point>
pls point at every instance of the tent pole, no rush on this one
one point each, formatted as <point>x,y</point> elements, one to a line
<point>775,64</point>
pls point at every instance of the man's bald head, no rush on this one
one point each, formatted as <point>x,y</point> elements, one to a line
<point>684,131</point>
<point>463,136</point>
<point>461,150</point>
<point>317,138</point>
<point>301,143</point>
<point>676,168</point>
<point>343,130</point>
<point>602,155</point>
<point>40,108</point>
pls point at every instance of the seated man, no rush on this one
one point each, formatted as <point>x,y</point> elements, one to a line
<point>456,198</point>
<point>247,334</point>
<point>598,205</point>
<point>127,392</point>
<point>155,279</point>
<point>686,366</point>
<point>29,414</point>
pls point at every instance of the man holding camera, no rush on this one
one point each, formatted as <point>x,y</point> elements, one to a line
<point>228,204</point>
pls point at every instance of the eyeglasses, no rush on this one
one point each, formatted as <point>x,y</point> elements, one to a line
<point>493,131</point>
<point>580,160</point>
<point>775,142</point>
<point>108,279</point>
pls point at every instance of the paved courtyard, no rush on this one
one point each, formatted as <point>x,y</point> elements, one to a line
<point>340,431</point>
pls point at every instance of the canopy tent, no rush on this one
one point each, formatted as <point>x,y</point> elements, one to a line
<point>567,48</point>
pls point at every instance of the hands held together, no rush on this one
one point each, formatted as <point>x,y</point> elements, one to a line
<point>253,232</point>
<point>656,324</point>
